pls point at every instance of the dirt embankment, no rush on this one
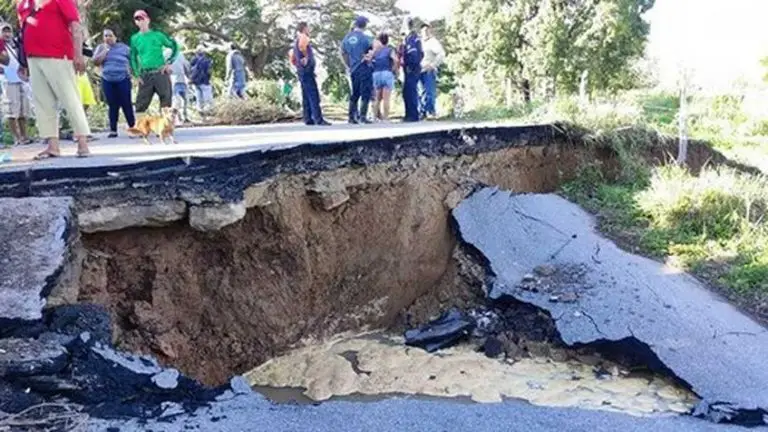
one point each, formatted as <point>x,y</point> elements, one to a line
<point>319,254</point>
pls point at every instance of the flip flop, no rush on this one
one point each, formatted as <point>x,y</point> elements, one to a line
<point>45,155</point>
<point>83,155</point>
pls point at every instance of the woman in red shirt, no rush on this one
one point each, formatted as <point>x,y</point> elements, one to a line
<point>53,45</point>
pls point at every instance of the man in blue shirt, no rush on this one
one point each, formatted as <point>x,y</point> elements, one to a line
<point>411,56</point>
<point>201,78</point>
<point>356,52</point>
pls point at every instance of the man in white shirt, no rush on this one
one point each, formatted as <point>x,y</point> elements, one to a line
<point>16,90</point>
<point>434,56</point>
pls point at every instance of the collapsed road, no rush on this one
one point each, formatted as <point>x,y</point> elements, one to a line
<point>200,268</point>
<point>621,298</point>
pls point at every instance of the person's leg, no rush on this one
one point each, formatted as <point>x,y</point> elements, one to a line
<point>305,108</point>
<point>366,91</point>
<point>430,93</point>
<point>44,100</point>
<point>14,95</point>
<point>113,102</point>
<point>354,98</point>
<point>199,98</point>
<point>386,94</point>
<point>423,94</point>
<point>313,95</point>
<point>144,95</point>
<point>377,103</point>
<point>124,90</point>
<point>164,90</point>
<point>410,96</point>
<point>64,85</point>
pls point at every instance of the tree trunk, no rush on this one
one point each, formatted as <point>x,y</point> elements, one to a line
<point>682,151</point>
<point>526,90</point>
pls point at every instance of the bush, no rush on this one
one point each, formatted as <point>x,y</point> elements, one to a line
<point>247,111</point>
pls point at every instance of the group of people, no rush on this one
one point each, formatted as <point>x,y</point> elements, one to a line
<point>372,66</point>
<point>50,63</point>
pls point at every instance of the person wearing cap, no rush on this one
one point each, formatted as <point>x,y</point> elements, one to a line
<point>302,57</point>
<point>411,56</point>
<point>15,89</point>
<point>149,65</point>
<point>201,78</point>
<point>357,54</point>
<point>434,56</point>
<point>53,47</point>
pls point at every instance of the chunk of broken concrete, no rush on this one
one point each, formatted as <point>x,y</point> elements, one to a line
<point>35,235</point>
<point>676,324</point>
<point>443,332</point>
<point>28,357</point>
<point>167,379</point>
<point>113,218</point>
<point>328,193</point>
<point>216,217</point>
<point>75,319</point>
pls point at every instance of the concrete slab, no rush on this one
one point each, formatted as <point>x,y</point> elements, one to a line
<point>34,247</point>
<point>618,296</point>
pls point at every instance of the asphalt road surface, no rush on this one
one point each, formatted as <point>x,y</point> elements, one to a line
<point>215,141</point>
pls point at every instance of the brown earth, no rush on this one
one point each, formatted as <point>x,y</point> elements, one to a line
<point>315,255</point>
<point>214,304</point>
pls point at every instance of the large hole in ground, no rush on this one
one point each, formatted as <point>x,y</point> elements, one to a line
<point>344,252</point>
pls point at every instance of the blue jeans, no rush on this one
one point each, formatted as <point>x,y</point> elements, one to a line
<point>411,96</point>
<point>180,95</point>
<point>310,99</point>
<point>428,92</point>
<point>118,96</point>
<point>362,90</point>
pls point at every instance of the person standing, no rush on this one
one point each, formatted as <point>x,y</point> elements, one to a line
<point>237,75</point>
<point>411,56</point>
<point>180,72</point>
<point>303,58</point>
<point>356,52</point>
<point>434,56</point>
<point>149,65</point>
<point>15,90</point>
<point>114,57</point>
<point>53,47</point>
<point>385,67</point>
<point>201,79</point>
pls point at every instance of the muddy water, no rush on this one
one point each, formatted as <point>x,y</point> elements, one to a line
<point>366,366</point>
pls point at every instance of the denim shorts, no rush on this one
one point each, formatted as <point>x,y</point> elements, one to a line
<point>383,80</point>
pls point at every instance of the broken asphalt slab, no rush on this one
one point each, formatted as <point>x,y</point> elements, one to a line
<point>620,297</point>
<point>34,247</point>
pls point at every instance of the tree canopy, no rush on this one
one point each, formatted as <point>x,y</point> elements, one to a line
<point>546,45</point>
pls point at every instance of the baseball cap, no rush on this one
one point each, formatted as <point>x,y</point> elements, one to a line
<point>140,13</point>
<point>361,21</point>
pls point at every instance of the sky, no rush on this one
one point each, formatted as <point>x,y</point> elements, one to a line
<point>719,41</point>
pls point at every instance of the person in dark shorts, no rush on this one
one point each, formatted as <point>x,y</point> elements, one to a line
<point>150,66</point>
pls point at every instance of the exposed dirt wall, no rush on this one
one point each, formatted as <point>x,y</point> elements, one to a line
<point>306,261</point>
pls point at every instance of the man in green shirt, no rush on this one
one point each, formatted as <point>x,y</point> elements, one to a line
<point>149,64</point>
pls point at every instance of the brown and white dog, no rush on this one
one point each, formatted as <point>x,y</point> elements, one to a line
<point>161,125</point>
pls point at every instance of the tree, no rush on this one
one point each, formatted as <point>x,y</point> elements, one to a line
<point>118,15</point>
<point>253,26</point>
<point>547,45</point>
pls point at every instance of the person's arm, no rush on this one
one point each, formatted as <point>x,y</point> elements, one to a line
<point>68,9</point>
<point>100,54</point>
<point>169,42</point>
<point>343,54</point>
<point>395,61</point>
<point>134,57</point>
<point>440,53</point>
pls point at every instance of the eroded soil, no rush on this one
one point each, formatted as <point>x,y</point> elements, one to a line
<point>315,256</point>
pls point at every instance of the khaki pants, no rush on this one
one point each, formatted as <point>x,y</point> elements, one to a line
<point>54,83</point>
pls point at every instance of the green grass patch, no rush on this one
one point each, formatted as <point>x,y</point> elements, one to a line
<point>713,224</point>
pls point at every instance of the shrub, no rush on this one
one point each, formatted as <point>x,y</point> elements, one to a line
<point>247,111</point>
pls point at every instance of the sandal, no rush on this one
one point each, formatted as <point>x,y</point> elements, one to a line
<point>84,154</point>
<point>45,154</point>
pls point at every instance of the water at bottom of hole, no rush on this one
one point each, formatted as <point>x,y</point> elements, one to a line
<point>374,366</point>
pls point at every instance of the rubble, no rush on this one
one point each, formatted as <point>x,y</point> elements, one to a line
<point>598,295</point>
